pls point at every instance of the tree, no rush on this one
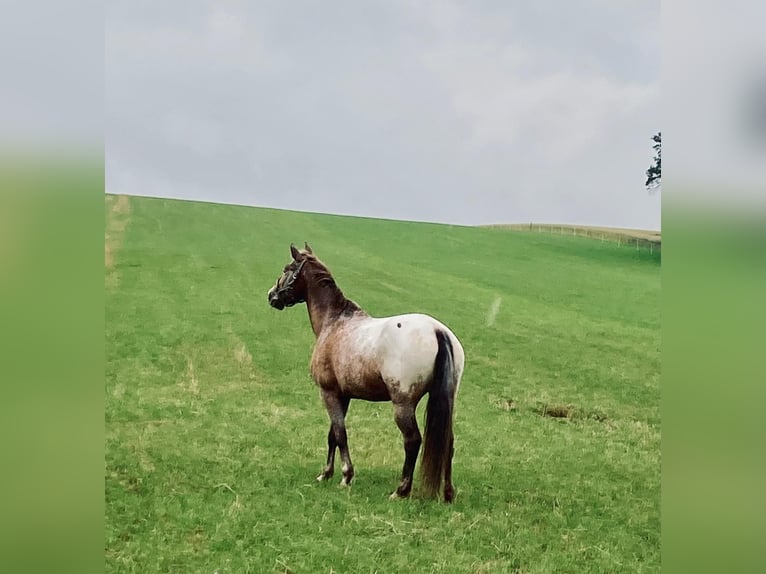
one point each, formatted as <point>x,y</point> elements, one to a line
<point>654,173</point>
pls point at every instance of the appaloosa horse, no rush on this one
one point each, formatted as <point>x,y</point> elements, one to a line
<point>397,359</point>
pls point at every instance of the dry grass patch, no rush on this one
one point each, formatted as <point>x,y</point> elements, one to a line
<point>572,412</point>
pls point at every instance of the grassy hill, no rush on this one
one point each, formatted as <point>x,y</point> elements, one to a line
<point>639,238</point>
<point>215,432</point>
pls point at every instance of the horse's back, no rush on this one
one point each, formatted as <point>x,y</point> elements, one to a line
<point>428,326</point>
<point>409,347</point>
<point>382,358</point>
<point>427,321</point>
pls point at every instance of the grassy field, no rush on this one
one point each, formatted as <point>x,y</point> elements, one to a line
<point>640,238</point>
<point>215,432</point>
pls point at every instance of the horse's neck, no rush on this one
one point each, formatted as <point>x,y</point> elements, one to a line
<point>325,302</point>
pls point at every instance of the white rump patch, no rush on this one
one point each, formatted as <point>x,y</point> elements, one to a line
<point>493,311</point>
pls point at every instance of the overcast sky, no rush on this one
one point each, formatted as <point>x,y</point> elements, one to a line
<point>457,112</point>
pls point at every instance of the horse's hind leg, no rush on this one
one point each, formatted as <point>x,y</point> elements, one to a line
<point>332,444</point>
<point>337,406</point>
<point>404,414</point>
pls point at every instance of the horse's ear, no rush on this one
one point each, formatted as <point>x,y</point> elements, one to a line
<point>308,248</point>
<point>294,252</point>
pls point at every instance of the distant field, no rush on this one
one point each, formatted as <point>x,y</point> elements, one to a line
<point>214,430</point>
<point>640,237</point>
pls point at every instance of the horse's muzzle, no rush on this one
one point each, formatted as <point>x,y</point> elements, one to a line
<point>274,300</point>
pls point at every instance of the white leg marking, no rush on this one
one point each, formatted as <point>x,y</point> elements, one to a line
<point>344,482</point>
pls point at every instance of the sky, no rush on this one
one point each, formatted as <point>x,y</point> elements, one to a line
<point>444,111</point>
<point>715,100</point>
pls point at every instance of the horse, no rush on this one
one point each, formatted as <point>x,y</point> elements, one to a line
<point>397,359</point>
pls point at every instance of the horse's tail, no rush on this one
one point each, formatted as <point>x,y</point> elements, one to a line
<point>438,429</point>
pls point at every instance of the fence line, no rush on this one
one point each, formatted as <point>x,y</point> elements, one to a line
<point>651,245</point>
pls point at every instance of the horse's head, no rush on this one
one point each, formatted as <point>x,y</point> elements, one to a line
<point>290,287</point>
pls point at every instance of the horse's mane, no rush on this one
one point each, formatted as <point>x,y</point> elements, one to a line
<point>321,275</point>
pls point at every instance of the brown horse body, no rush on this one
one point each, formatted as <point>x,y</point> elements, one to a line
<point>397,359</point>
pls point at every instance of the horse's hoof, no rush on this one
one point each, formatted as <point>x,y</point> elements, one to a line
<point>344,483</point>
<point>394,496</point>
<point>321,477</point>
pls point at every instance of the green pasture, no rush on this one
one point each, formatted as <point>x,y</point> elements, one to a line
<point>215,431</point>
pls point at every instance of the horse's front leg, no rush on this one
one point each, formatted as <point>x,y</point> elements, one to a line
<point>404,414</point>
<point>337,407</point>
